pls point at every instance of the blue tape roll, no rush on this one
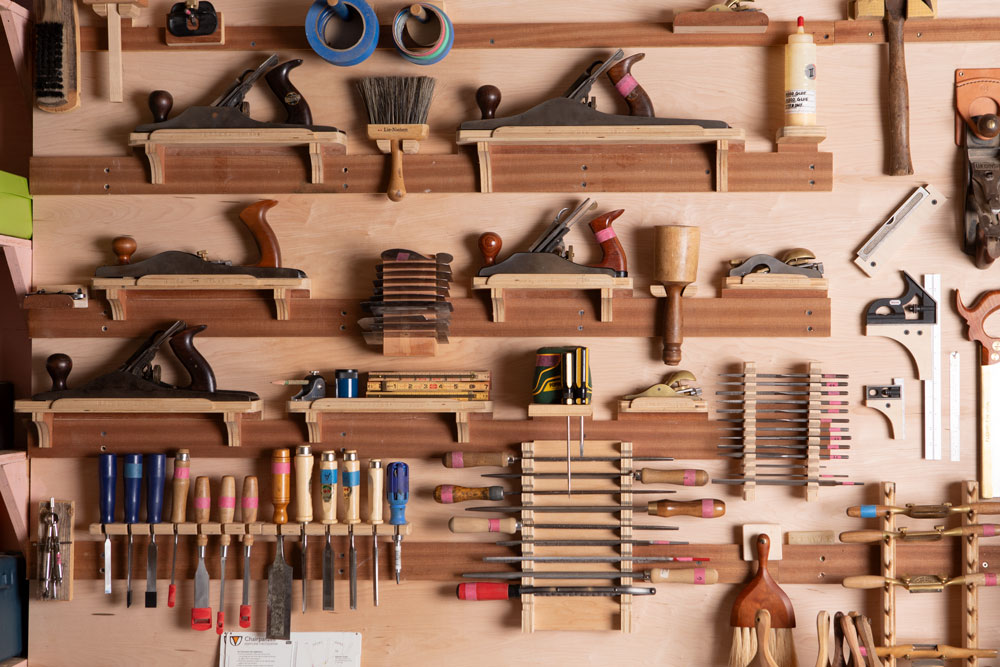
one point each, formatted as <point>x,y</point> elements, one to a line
<point>320,15</point>
<point>435,52</point>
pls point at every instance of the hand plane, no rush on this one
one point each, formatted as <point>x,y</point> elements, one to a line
<point>192,19</point>
<point>547,255</point>
<point>176,262</point>
<point>677,393</point>
<point>730,16</point>
<point>231,111</point>
<point>576,106</point>
<point>139,377</point>
<point>977,102</point>
<point>794,269</point>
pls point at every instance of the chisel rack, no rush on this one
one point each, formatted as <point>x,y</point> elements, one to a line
<point>258,529</point>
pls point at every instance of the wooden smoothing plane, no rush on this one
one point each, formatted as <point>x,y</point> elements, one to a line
<point>977,130</point>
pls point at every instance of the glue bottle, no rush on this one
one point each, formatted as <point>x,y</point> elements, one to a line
<point>800,78</point>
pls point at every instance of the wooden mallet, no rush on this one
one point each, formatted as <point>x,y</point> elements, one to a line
<point>676,256</point>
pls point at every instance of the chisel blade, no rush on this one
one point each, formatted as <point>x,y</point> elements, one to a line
<point>151,574</point>
<point>329,573</point>
<point>201,584</point>
<point>107,565</point>
<point>279,596</point>
<point>245,606</point>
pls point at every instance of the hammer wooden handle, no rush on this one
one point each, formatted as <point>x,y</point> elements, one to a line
<point>899,93</point>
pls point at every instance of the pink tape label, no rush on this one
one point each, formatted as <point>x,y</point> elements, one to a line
<point>689,476</point>
<point>707,508</point>
<point>203,503</point>
<point>281,468</point>
<point>402,256</point>
<point>447,494</point>
<point>470,592</point>
<point>991,580</point>
<point>249,502</point>
<point>182,473</point>
<point>457,460</point>
<point>494,525</point>
<point>605,234</point>
<point>699,575</point>
<point>626,85</point>
<point>227,501</point>
<point>989,530</point>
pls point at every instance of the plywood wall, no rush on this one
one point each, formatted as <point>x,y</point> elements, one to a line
<point>336,239</point>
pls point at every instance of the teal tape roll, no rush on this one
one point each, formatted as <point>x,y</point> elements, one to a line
<point>438,49</point>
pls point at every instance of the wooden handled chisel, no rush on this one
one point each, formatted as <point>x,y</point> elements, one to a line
<point>279,577</point>
<point>201,613</point>
<point>350,482</point>
<point>178,511</point>
<point>156,469</point>
<point>248,504</point>
<point>133,489</point>
<point>107,465</point>
<point>328,517</point>
<point>227,509</point>
<point>304,508</point>
<point>376,498</point>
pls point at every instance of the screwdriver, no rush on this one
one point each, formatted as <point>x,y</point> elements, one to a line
<point>459,459</point>
<point>156,470</point>
<point>328,504</point>
<point>107,468</point>
<point>398,474</point>
<point>248,503</point>
<point>707,508</point>
<point>201,613</point>
<point>376,498</point>
<point>489,591</point>
<point>448,494</point>
<point>467,524</point>
<point>227,508</point>
<point>581,379</point>
<point>133,491</point>
<point>304,506</point>
<point>350,480</point>
<point>567,399</point>
<point>688,477</point>
<point>178,511</point>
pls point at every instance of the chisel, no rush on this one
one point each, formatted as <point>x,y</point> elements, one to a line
<point>706,509</point>
<point>448,494</point>
<point>350,482</point>
<point>459,459</point>
<point>658,575</point>
<point>156,473</point>
<point>227,509</point>
<point>398,475</point>
<point>687,477</point>
<point>201,613</point>
<point>178,511</point>
<point>376,499</point>
<point>468,524</point>
<point>279,577</point>
<point>488,591</point>
<point>248,504</point>
<point>133,491</point>
<point>304,507</point>
<point>328,517</point>
<point>107,468</point>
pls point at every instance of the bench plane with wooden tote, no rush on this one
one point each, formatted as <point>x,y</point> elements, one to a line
<point>793,270</point>
<point>977,131</point>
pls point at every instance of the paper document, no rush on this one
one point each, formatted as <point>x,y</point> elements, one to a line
<point>305,649</point>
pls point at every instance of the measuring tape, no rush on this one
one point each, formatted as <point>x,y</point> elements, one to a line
<point>435,49</point>
<point>349,11</point>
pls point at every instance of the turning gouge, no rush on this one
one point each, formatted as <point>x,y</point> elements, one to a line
<point>107,467</point>
<point>201,613</point>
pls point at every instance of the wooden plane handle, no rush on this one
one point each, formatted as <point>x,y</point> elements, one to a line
<point>490,244</point>
<point>255,218</point>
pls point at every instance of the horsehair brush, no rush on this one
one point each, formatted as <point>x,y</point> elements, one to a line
<point>762,592</point>
<point>397,110</point>
<point>57,57</point>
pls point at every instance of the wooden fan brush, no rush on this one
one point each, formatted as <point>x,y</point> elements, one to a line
<point>762,593</point>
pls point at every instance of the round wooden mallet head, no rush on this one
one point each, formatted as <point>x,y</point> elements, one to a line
<point>676,254</point>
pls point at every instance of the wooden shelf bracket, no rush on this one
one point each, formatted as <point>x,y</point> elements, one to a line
<point>497,283</point>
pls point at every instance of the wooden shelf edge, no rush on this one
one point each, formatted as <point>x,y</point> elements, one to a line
<point>14,494</point>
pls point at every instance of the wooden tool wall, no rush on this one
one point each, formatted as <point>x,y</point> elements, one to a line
<point>336,240</point>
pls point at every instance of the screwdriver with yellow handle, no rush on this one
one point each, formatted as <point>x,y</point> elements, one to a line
<point>448,494</point>
<point>939,533</point>
<point>688,477</point>
<point>460,459</point>
<point>707,508</point>
<point>922,511</point>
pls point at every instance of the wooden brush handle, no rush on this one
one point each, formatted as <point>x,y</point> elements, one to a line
<point>477,459</point>
<point>464,524</point>
<point>899,98</point>
<point>762,624</point>
<point>851,635</point>
<point>449,493</point>
<point>687,477</point>
<point>691,575</point>
<point>823,635</point>
<point>709,508</point>
<point>397,188</point>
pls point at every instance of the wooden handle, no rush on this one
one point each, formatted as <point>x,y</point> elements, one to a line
<point>248,505</point>
<point>864,628</point>
<point>160,104</point>
<point>449,493</point>
<point>638,100</point>
<point>899,98</point>
<point>864,582</point>
<point>986,507</point>
<point>613,252</point>
<point>281,472</point>
<point>227,505</point>
<point>863,536</point>
<point>975,317</point>
<point>58,366</point>
<point>762,624</point>
<point>477,459</point>
<point>350,484</point>
<point>691,575</point>
<point>488,100</point>
<point>823,635</point>
<point>939,651</point>
<point>708,508</point>
<point>123,247</point>
<point>397,188</point>
<point>489,245</point>
<point>255,218</point>
<point>688,477</point>
<point>673,325</point>
<point>463,524</point>
<point>376,491</point>
<point>303,484</point>
<point>851,635</point>
<point>202,506</point>
<point>869,511</point>
<point>179,486</point>
<point>328,488</point>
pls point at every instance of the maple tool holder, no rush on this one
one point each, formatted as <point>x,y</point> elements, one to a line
<point>676,256</point>
<point>115,12</point>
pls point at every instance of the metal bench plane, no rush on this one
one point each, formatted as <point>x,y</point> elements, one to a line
<point>139,377</point>
<point>677,393</point>
<point>977,103</point>
<point>794,269</point>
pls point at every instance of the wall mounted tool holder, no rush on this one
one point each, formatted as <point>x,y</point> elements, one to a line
<point>498,283</point>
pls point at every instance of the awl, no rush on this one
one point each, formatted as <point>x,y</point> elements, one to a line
<point>107,465</point>
<point>178,511</point>
<point>279,577</point>
<point>201,613</point>
<point>248,503</point>
<point>227,508</point>
<point>398,477</point>
<point>328,517</point>
<point>304,508</point>
<point>156,473</point>
<point>133,490</point>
